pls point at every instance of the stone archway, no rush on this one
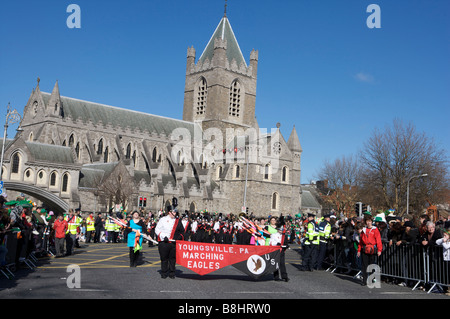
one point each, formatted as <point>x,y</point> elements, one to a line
<point>57,204</point>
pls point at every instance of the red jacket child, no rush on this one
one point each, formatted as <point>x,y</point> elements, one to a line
<point>370,236</point>
<point>60,226</point>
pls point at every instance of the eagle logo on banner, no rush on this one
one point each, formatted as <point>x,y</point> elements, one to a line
<point>256,264</point>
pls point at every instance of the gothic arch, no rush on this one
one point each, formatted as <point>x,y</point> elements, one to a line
<point>50,200</point>
<point>236,99</point>
<point>200,96</point>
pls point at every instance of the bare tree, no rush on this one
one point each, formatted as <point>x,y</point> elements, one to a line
<point>117,187</point>
<point>391,157</point>
<point>342,179</point>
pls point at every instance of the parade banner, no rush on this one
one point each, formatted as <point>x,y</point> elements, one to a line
<point>204,258</point>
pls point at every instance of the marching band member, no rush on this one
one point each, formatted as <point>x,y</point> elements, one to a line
<point>168,230</point>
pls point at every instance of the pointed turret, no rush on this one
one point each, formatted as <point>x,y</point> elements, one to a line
<point>294,142</point>
<point>54,103</point>
<point>223,37</point>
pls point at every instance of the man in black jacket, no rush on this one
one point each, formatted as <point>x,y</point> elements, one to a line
<point>98,224</point>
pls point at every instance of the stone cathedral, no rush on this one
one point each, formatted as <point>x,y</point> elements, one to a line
<point>97,157</point>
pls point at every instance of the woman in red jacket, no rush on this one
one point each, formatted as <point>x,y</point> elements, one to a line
<point>369,246</point>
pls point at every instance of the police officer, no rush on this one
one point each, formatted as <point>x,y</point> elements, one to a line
<point>90,228</point>
<point>110,227</point>
<point>324,235</point>
<point>72,229</point>
<point>311,244</point>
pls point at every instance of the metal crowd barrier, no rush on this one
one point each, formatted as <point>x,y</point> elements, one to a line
<point>17,252</point>
<point>407,262</point>
<point>438,268</point>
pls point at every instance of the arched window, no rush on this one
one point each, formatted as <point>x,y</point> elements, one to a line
<point>285,174</point>
<point>219,171</point>
<point>267,172</point>
<point>106,155</point>
<point>128,153</point>
<point>134,159</point>
<point>235,99</point>
<point>41,177</point>
<point>15,163</point>
<point>237,171</point>
<point>65,183</point>
<point>77,150</point>
<point>53,179</point>
<point>179,159</point>
<point>71,140</point>
<point>154,155</point>
<point>275,201</point>
<point>29,175</point>
<point>100,147</point>
<point>202,95</point>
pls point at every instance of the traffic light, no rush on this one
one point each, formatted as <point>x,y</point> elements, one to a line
<point>358,208</point>
<point>364,208</point>
<point>142,201</point>
<point>174,202</point>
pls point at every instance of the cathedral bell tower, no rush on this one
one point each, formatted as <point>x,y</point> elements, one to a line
<point>220,89</point>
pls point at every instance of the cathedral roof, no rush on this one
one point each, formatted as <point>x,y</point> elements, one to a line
<point>120,118</point>
<point>41,152</point>
<point>50,153</point>
<point>224,32</point>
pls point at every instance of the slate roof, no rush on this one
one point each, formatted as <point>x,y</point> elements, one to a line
<point>309,199</point>
<point>51,153</point>
<point>224,31</point>
<point>91,175</point>
<point>119,117</point>
<point>46,152</point>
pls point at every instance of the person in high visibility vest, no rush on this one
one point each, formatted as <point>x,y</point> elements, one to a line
<point>72,229</point>
<point>311,244</point>
<point>116,231</point>
<point>110,227</point>
<point>324,235</point>
<point>90,227</point>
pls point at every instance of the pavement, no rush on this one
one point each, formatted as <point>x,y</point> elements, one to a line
<point>104,273</point>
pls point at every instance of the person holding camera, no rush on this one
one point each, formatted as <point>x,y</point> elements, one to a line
<point>369,246</point>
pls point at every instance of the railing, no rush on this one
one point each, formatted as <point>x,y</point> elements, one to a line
<point>407,262</point>
<point>18,251</point>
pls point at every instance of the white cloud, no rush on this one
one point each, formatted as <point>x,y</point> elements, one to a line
<point>364,77</point>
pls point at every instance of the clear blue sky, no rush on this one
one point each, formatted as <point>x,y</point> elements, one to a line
<point>320,67</point>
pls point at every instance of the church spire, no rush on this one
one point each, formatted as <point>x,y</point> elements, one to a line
<point>224,33</point>
<point>294,142</point>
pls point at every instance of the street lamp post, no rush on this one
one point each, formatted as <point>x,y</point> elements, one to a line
<point>12,117</point>
<point>407,191</point>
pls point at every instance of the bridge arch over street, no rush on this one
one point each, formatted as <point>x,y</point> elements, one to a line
<point>52,201</point>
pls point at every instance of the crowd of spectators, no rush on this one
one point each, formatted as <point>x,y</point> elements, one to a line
<point>37,229</point>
